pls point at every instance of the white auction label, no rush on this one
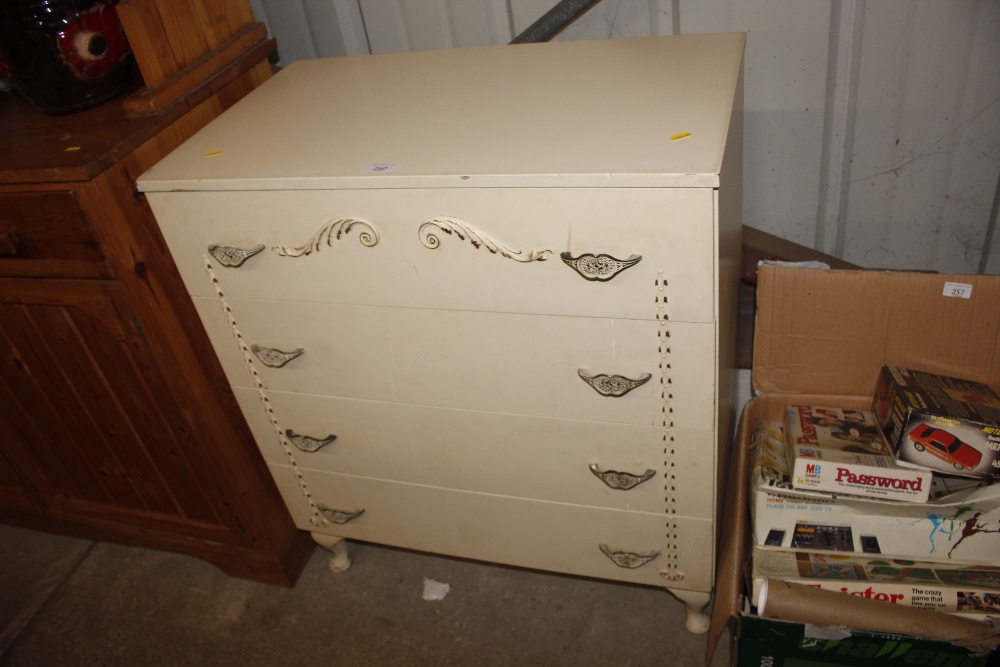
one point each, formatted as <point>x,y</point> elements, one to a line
<point>958,290</point>
<point>380,166</point>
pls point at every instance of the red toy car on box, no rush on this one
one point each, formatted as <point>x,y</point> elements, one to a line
<point>946,447</point>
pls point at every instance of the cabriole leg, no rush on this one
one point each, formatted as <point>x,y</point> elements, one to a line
<point>341,560</point>
<point>697,621</point>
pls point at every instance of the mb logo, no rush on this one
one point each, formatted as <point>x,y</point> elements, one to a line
<point>812,468</point>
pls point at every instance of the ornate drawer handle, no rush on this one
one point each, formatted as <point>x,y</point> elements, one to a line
<point>273,357</point>
<point>627,559</point>
<point>621,481</point>
<point>231,256</point>
<point>613,385</point>
<point>307,443</point>
<point>339,517</point>
<point>598,267</point>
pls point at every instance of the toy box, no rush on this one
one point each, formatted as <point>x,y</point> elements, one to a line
<point>822,338</point>
<point>939,422</point>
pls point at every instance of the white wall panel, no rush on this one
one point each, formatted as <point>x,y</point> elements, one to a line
<point>872,127</point>
<point>926,145</point>
<point>785,89</point>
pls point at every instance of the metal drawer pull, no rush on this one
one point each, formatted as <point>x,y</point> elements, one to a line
<point>339,517</point>
<point>274,358</point>
<point>622,481</point>
<point>478,239</point>
<point>231,256</point>
<point>613,385</point>
<point>627,559</point>
<point>307,443</point>
<point>598,267</point>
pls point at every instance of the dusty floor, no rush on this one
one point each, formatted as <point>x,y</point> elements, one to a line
<point>72,602</point>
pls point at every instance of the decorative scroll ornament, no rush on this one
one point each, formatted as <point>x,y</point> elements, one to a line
<point>671,576</point>
<point>231,256</point>
<point>627,559</point>
<point>599,267</point>
<point>621,481</point>
<point>339,517</point>
<point>464,230</point>
<point>613,385</point>
<point>330,232</point>
<point>273,357</point>
<point>307,443</point>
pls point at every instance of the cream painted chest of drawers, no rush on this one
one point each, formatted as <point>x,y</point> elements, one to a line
<point>504,278</point>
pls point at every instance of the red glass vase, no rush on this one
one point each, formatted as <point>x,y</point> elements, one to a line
<point>65,55</point>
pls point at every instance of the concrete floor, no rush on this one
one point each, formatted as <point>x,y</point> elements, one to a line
<point>65,601</point>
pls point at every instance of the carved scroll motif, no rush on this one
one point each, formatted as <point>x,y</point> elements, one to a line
<point>464,230</point>
<point>330,232</point>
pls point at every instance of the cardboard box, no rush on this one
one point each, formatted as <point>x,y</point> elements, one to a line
<point>935,586</point>
<point>822,337</point>
<point>942,530</point>
<point>842,451</point>
<point>938,422</point>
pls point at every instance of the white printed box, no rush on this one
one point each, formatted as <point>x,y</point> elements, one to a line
<point>960,523</point>
<point>842,451</point>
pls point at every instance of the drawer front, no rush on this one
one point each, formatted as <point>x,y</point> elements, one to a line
<point>510,455</point>
<point>513,531</point>
<point>483,257</point>
<point>495,362</point>
<point>44,234</point>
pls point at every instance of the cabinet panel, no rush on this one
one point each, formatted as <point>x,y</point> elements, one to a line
<point>466,269</point>
<point>528,457</point>
<point>84,408</point>
<point>527,533</point>
<point>14,495</point>
<point>517,364</point>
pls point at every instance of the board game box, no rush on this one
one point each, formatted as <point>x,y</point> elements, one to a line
<point>925,585</point>
<point>842,451</point>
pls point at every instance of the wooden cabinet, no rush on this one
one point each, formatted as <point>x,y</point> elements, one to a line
<point>512,306</point>
<point>116,423</point>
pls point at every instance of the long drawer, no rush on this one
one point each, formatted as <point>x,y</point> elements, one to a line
<point>454,248</point>
<point>511,455</point>
<point>513,531</point>
<point>495,362</point>
<point>46,235</point>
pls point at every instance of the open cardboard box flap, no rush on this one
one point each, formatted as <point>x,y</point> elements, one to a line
<point>823,336</point>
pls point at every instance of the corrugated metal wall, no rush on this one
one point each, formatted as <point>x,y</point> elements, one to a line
<point>872,126</point>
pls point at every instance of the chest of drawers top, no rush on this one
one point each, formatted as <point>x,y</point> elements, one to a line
<point>647,112</point>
